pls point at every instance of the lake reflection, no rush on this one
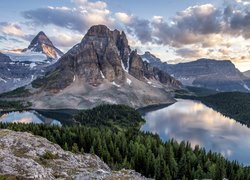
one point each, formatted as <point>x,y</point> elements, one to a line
<point>194,122</point>
<point>27,117</point>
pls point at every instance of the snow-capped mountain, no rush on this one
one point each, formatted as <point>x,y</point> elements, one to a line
<point>20,67</point>
<point>42,44</point>
<point>101,69</point>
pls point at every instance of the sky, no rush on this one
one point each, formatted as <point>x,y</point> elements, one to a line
<point>174,30</point>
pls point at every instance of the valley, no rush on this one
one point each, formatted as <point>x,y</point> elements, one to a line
<point>121,145</point>
<point>127,114</point>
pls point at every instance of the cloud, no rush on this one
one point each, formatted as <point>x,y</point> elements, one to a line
<point>244,2</point>
<point>138,27</point>
<point>191,52</point>
<point>64,39</point>
<point>202,19</point>
<point>11,29</point>
<point>78,18</point>
<point>123,17</point>
<point>2,38</point>
<point>240,24</point>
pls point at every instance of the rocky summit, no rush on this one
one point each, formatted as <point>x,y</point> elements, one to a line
<point>41,43</point>
<point>21,66</point>
<point>25,156</point>
<point>102,69</point>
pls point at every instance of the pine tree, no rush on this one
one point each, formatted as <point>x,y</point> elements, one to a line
<point>74,148</point>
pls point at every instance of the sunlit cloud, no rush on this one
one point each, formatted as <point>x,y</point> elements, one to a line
<point>199,31</point>
<point>11,29</point>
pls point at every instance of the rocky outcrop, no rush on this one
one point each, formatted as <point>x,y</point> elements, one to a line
<point>41,43</point>
<point>25,156</point>
<point>144,71</point>
<point>136,66</point>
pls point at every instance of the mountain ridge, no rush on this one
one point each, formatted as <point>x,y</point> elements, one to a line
<point>102,69</point>
<point>220,75</point>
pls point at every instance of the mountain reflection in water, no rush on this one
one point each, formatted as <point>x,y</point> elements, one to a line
<point>200,125</point>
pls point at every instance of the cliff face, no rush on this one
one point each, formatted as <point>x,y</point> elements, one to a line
<point>25,156</point>
<point>102,69</point>
<point>144,71</point>
<point>100,55</point>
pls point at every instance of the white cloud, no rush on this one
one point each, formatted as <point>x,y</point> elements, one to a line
<point>11,29</point>
<point>79,18</point>
<point>64,39</point>
<point>244,2</point>
<point>123,17</point>
<point>157,19</point>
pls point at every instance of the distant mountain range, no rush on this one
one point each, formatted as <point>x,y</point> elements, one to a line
<point>101,69</point>
<point>20,67</point>
<point>208,73</point>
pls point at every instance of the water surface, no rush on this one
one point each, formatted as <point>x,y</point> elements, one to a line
<point>27,117</point>
<point>194,122</point>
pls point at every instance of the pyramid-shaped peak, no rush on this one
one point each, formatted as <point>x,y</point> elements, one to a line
<point>41,43</point>
<point>39,39</point>
<point>41,33</point>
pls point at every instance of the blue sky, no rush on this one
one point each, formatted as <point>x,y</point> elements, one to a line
<point>174,30</point>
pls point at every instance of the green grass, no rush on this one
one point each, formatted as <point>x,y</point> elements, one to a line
<point>49,155</point>
<point>7,177</point>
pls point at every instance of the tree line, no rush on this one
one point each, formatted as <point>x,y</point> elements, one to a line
<point>144,152</point>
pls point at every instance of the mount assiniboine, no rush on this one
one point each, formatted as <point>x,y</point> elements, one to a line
<point>20,67</point>
<point>101,69</point>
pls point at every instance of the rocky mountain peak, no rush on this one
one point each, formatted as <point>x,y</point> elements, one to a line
<point>99,30</point>
<point>150,58</point>
<point>102,68</point>
<point>101,55</point>
<point>144,71</point>
<point>37,42</point>
<point>41,43</point>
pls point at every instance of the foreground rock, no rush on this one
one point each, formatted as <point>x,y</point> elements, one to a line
<point>25,156</point>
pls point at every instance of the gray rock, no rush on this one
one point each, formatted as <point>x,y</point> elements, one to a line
<point>93,72</point>
<point>22,156</point>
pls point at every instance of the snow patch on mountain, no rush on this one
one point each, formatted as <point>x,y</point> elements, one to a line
<point>117,85</point>
<point>1,79</point>
<point>26,56</point>
<point>129,81</point>
<point>246,87</point>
